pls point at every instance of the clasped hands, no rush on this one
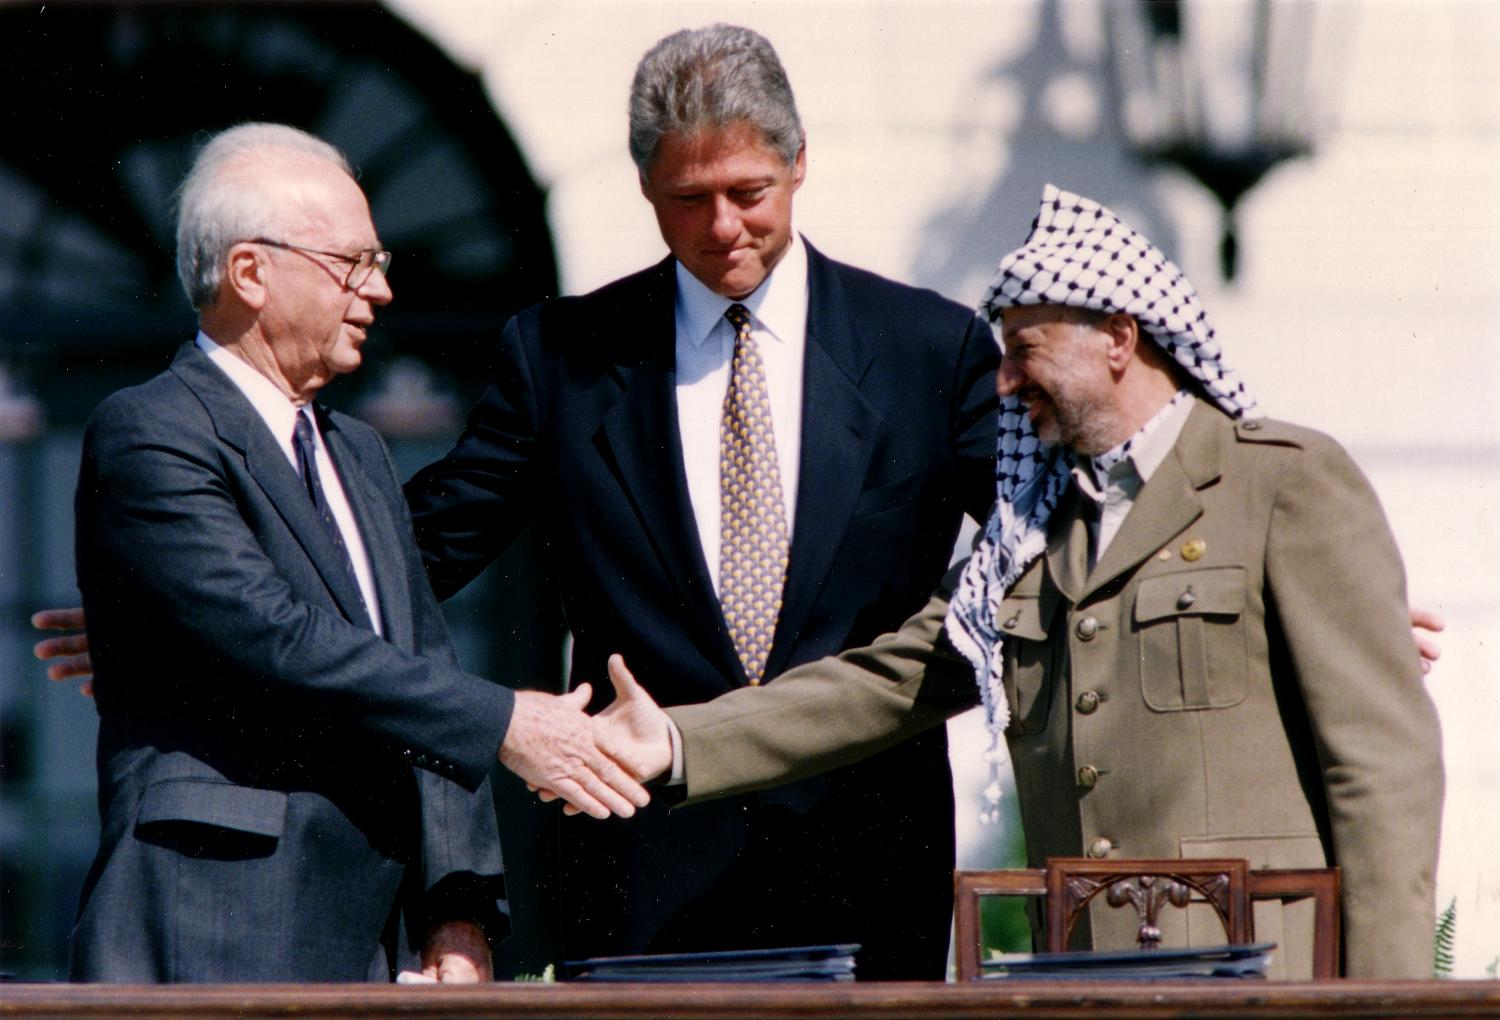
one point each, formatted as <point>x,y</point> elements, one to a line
<point>595,765</point>
<point>632,733</point>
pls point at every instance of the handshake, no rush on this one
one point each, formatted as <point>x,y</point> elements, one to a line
<point>594,764</point>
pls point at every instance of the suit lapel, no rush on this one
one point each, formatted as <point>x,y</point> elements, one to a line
<point>839,428</point>
<point>1168,503</point>
<point>239,426</point>
<point>1068,545</point>
<point>641,436</point>
<point>380,532</point>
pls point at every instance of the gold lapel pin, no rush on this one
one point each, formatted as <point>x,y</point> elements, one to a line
<point>1193,549</point>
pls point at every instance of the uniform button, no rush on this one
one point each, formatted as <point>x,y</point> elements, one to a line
<point>1100,847</point>
<point>1010,622</point>
<point>1250,426</point>
<point>1186,599</point>
<point>1088,777</point>
<point>1087,628</point>
<point>1087,702</point>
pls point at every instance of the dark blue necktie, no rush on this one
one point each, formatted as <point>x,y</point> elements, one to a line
<point>307,464</point>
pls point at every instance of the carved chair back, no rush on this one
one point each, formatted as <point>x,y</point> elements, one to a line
<point>1069,885</point>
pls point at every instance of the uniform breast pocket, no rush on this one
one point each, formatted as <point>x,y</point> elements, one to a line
<point>1024,620</point>
<point>1191,632</point>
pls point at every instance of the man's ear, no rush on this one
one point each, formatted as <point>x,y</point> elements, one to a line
<point>245,275</point>
<point>1124,335</point>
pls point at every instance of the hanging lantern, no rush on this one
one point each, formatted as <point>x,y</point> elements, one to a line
<point>1223,90</point>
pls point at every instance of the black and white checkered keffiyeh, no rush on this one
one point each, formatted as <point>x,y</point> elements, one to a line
<point>1082,255</point>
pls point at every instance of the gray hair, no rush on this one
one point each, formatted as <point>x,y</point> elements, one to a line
<point>711,77</point>
<point>215,208</point>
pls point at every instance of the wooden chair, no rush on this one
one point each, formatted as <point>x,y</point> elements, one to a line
<point>1068,885</point>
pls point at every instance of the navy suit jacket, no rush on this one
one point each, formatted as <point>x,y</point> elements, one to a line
<point>281,790</point>
<point>579,430</point>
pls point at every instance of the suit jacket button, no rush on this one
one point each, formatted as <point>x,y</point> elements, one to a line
<point>1087,628</point>
<point>1100,847</point>
<point>1088,777</point>
<point>1186,599</point>
<point>1087,702</point>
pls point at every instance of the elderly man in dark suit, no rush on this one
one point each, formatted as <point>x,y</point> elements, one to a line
<point>1188,620</point>
<point>746,387</point>
<point>292,766</point>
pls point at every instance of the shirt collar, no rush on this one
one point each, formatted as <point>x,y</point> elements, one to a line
<point>273,406</point>
<point>779,304</point>
<point>1144,451</point>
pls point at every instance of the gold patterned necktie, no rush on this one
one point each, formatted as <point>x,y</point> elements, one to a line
<point>752,514</point>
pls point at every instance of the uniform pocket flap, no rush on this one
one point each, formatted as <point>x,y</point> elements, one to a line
<point>1281,850</point>
<point>242,808</point>
<point>1218,591</point>
<point>1027,616</point>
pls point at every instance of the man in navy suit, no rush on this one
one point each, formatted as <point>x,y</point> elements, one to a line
<point>292,765</point>
<point>608,421</point>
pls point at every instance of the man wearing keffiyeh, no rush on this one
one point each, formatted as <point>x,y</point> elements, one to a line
<point>1188,621</point>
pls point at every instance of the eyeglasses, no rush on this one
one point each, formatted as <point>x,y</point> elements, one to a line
<point>361,265</point>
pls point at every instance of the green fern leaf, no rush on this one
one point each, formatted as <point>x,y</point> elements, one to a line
<point>1442,941</point>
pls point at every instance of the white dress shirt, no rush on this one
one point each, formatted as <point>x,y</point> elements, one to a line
<point>705,347</point>
<point>1115,478</point>
<point>280,416</point>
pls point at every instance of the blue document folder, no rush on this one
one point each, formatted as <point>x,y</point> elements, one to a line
<point>800,963</point>
<point>1243,961</point>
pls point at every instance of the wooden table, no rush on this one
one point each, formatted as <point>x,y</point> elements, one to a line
<point>1036,999</point>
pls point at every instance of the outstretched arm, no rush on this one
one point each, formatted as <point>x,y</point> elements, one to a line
<point>808,720</point>
<point>827,713</point>
<point>548,742</point>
